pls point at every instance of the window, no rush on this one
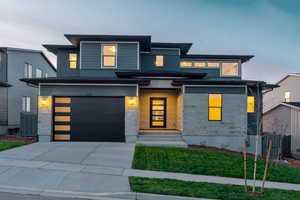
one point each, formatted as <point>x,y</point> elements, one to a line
<point>73,60</point>
<point>25,104</point>
<point>214,107</point>
<point>38,73</point>
<point>199,64</point>
<point>159,61</point>
<point>109,54</point>
<point>287,97</point>
<point>28,71</point>
<point>230,69</point>
<point>213,64</point>
<point>186,64</point>
<point>46,75</point>
<point>250,104</point>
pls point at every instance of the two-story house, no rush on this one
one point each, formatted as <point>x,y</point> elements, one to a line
<point>281,111</point>
<point>15,95</point>
<point>121,87</point>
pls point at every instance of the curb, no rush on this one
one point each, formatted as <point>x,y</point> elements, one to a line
<point>94,196</point>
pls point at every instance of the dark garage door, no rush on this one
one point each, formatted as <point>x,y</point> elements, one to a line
<point>89,119</point>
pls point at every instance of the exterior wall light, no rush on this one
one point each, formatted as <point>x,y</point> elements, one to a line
<point>44,101</point>
<point>132,101</point>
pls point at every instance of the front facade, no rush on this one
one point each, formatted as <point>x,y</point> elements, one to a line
<point>15,95</point>
<point>282,110</point>
<point>116,88</point>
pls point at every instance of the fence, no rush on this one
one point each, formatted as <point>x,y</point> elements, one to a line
<point>28,125</point>
<point>281,146</point>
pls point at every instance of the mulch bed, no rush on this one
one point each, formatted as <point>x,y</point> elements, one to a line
<point>27,140</point>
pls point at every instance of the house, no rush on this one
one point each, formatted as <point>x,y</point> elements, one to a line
<point>282,110</point>
<point>126,88</point>
<point>15,95</point>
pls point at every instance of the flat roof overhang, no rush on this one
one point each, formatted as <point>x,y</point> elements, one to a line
<point>242,58</point>
<point>85,80</point>
<point>252,83</point>
<point>160,73</point>
<point>4,84</point>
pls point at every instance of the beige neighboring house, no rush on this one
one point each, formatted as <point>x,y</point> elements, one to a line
<point>281,110</point>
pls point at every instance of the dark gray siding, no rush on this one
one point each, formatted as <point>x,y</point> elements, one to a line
<point>218,90</point>
<point>254,118</point>
<point>3,106</point>
<point>63,68</point>
<point>76,90</point>
<point>3,66</point>
<point>16,64</point>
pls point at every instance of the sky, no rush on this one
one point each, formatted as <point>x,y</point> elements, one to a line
<point>268,29</point>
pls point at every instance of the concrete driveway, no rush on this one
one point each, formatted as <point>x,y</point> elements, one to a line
<point>68,166</point>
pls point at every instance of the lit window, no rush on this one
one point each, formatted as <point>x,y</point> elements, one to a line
<point>25,104</point>
<point>214,107</point>
<point>159,61</point>
<point>199,64</point>
<point>38,73</point>
<point>213,64</point>
<point>109,53</point>
<point>250,104</point>
<point>73,60</point>
<point>230,69</point>
<point>287,96</point>
<point>28,71</point>
<point>186,64</point>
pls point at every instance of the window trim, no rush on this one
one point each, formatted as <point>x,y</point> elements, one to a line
<point>163,61</point>
<point>102,55</point>
<point>69,59</point>
<point>208,107</point>
<point>26,104</point>
<point>28,73</point>
<point>239,69</point>
<point>36,70</point>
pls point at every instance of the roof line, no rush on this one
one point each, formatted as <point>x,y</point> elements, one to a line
<point>286,76</point>
<point>283,104</point>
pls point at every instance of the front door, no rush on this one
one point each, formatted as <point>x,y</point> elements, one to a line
<point>158,113</point>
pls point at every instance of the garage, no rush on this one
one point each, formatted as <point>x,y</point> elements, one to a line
<point>89,119</point>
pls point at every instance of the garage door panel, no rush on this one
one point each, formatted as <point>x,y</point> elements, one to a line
<point>92,118</point>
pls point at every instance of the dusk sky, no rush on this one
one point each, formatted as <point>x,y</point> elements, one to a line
<point>268,29</point>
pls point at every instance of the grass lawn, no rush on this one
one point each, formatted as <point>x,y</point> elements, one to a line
<point>206,190</point>
<point>207,162</point>
<point>4,145</point>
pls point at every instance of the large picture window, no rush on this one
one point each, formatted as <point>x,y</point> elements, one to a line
<point>109,55</point>
<point>214,107</point>
<point>230,69</point>
<point>73,60</point>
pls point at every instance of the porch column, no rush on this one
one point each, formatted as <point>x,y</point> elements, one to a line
<point>131,119</point>
<point>44,118</point>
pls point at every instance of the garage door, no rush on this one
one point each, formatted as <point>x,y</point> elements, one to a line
<point>89,119</point>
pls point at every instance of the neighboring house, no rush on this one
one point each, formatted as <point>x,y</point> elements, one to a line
<point>121,87</point>
<point>282,110</point>
<point>15,95</point>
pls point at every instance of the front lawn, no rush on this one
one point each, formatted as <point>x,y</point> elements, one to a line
<point>207,162</point>
<point>4,145</point>
<point>206,190</point>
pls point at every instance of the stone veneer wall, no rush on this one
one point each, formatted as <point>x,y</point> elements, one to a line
<point>230,133</point>
<point>131,121</point>
<point>45,122</point>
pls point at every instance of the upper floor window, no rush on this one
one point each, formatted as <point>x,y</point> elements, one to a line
<point>72,60</point>
<point>230,69</point>
<point>38,73</point>
<point>250,104</point>
<point>214,107</point>
<point>287,96</point>
<point>46,75</point>
<point>109,56</point>
<point>159,61</point>
<point>186,64</point>
<point>213,64</point>
<point>28,70</point>
<point>25,104</point>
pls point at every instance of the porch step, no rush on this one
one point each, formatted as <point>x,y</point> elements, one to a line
<point>162,143</point>
<point>160,139</point>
